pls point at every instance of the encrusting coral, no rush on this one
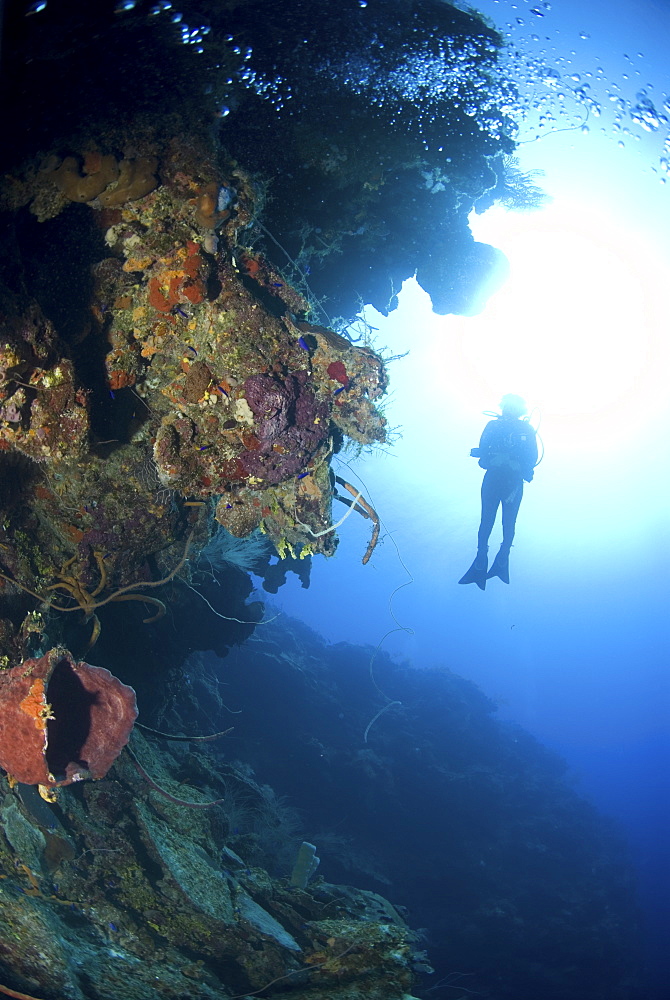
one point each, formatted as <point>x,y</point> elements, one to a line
<point>98,180</point>
<point>153,351</point>
<point>206,370</point>
<point>165,219</point>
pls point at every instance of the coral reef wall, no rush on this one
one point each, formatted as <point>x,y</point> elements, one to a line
<point>194,204</point>
<point>407,784</point>
<point>123,892</point>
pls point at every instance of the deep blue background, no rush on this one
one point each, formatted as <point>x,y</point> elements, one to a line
<point>576,648</point>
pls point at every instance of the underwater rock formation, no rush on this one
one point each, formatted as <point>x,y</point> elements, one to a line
<point>122,892</point>
<point>176,248</point>
<point>408,785</point>
<point>192,378</point>
<point>44,414</point>
<point>190,216</point>
<point>388,124</point>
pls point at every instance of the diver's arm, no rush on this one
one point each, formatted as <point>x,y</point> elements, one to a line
<point>530,460</point>
<point>485,442</point>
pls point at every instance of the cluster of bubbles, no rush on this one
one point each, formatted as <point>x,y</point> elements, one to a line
<point>430,79</point>
<point>427,82</point>
<point>525,91</point>
<point>560,91</point>
<point>458,72</point>
<point>275,90</point>
<point>229,62</point>
<point>121,7</point>
<point>189,36</point>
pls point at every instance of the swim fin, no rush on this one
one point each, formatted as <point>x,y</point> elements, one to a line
<point>477,572</point>
<point>500,567</point>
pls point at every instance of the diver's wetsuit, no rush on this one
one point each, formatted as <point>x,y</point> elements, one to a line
<point>508,450</point>
<point>504,486</point>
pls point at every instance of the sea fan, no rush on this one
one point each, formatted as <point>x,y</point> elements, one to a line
<point>248,554</point>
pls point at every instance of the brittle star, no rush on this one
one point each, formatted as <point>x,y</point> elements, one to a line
<point>87,600</point>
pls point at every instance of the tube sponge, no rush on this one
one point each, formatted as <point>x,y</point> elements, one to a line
<point>305,865</point>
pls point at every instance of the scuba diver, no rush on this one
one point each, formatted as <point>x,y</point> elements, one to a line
<point>508,452</point>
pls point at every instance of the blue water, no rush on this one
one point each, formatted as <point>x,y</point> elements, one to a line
<point>576,648</point>
<point>397,769</point>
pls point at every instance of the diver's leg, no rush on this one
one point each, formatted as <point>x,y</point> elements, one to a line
<point>510,508</point>
<point>490,502</point>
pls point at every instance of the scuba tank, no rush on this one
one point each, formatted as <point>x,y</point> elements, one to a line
<point>510,444</point>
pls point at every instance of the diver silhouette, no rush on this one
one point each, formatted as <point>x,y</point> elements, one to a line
<point>508,452</point>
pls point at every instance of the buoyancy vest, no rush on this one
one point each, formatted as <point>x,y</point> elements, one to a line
<point>509,443</point>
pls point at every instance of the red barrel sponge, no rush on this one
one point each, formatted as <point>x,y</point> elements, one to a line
<point>62,721</point>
